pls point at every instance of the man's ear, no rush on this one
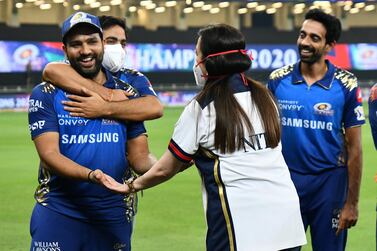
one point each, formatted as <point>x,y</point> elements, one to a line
<point>330,46</point>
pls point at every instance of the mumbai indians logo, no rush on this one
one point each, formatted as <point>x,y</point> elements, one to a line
<point>323,109</point>
<point>79,17</point>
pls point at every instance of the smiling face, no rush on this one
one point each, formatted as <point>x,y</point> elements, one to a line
<point>84,50</point>
<point>311,42</point>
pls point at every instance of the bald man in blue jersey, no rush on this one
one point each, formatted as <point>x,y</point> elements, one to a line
<point>73,211</point>
<point>321,117</point>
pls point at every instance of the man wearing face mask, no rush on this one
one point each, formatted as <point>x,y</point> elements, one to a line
<point>321,118</point>
<point>133,82</point>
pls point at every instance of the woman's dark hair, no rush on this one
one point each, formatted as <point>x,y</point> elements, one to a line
<point>230,116</point>
<point>331,23</point>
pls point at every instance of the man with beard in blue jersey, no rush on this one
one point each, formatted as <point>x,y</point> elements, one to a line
<point>73,212</point>
<point>108,102</point>
<point>321,117</point>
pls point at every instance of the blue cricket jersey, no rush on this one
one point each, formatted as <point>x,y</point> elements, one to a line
<point>94,143</point>
<point>372,102</point>
<point>313,118</point>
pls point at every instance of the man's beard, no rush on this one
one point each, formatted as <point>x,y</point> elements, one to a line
<point>315,55</point>
<point>87,73</point>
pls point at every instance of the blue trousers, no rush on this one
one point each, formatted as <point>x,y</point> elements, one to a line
<point>53,231</point>
<point>322,197</point>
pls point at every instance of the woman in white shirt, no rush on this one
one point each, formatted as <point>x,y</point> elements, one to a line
<point>231,130</point>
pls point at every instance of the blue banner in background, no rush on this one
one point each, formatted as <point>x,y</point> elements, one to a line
<point>19,56</point>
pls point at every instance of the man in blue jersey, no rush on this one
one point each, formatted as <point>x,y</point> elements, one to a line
<point>72,211</point>
<point>321,117</point>
<point>106,103</point>
<point>372,102</point>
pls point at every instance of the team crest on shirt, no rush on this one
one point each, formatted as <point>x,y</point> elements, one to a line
<point>359,112</point>
<point>323,109</point>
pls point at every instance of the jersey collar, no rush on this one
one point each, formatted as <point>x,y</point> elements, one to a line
<point>325,82</point>
<point>110,83</point>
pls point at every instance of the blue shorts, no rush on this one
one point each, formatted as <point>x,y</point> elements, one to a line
<point>53,231</point>
<point>322,197</point>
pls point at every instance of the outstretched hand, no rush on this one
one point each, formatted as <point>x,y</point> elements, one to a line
<point>89,105</point>
<point>107,181</point>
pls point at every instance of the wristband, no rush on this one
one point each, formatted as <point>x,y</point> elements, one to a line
<point>89,179</point>
<point>130,184</point>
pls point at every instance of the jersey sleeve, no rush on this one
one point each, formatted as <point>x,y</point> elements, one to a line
<point>372,103</point>
<point>135,129</point>
<point>353,114</point>
<point>42,115</point>
<point>188,133</point>
<point>141,83</point>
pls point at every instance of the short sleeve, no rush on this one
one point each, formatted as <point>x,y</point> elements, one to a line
<point>135,129</point>
<point>353,110</point>
<point>372,103</point>
<point>140,82</point>
<point>188,132</point>
<point>42,115</point>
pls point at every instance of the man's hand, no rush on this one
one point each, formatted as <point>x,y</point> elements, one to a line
<point>348,217</point>
<point>119,95</point>
<point>107,181</point>
<point>90,105</point>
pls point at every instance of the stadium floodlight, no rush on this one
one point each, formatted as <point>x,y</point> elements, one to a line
<point>145,2</point>
<point>214,10</point>
<point>76,7</point>
<point>198,4</point>
<point>188,10</point>
<point>132,9</point>
<point>170,3</point>
<point>277,5</point>
<point>297,11</point>
<point>347,7</point>
<point>95,5</point>
<point>150,6</point>
<point>115,2</point>
<point>45,6</point>
<point>89,1</point>
<point>271,11</point>
<point>19,5</point>
<point>370,7</point>
<point>224,4</point>
<point>188,2</point>
<point>354,10</point>
<point>58,1</point>
<point>299,6</point>
<point>206,7</point>
<point>160,9</point>
<point>360,5</point>
<point>252,5</point>
<point>39,2</point>
<point>104,8</point>
<point>260,7</point>
<point>242,11</point>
